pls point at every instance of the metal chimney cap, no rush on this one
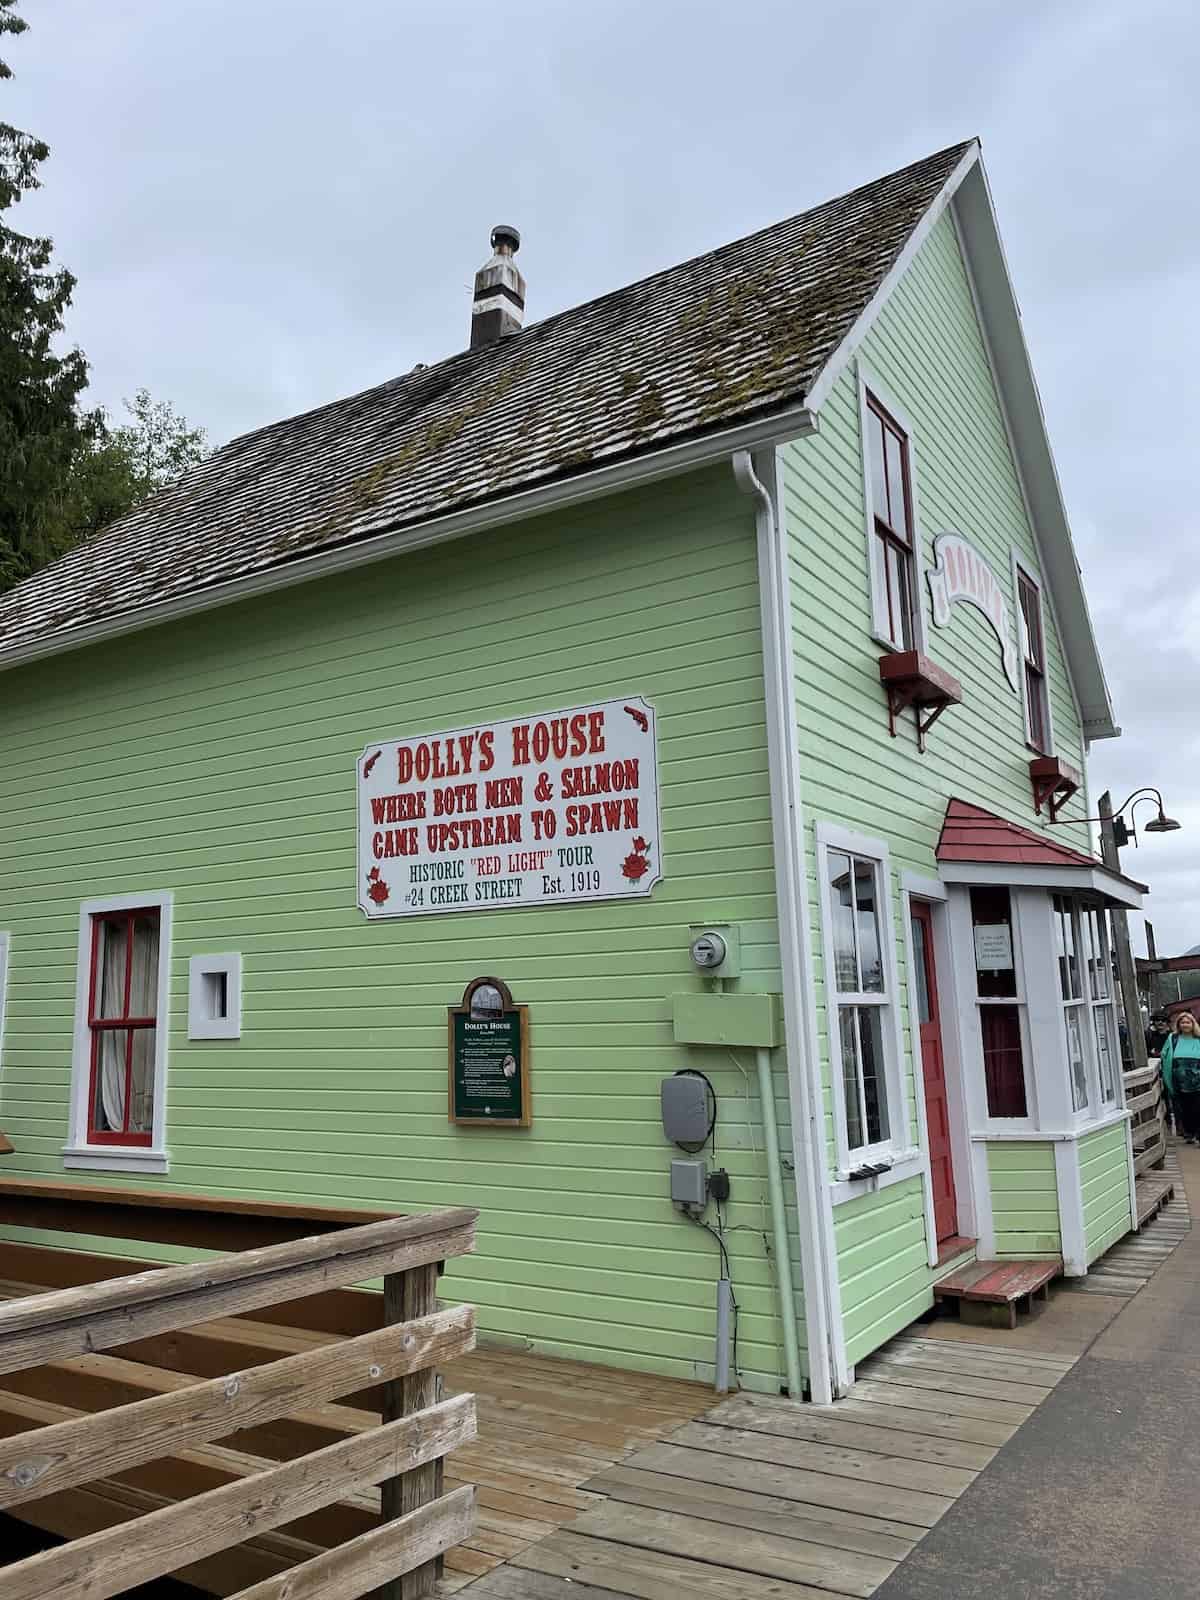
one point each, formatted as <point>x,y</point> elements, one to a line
<point>503,233</point>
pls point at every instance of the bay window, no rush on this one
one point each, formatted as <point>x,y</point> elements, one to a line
<point>1000,997</point>
<point>1070,984</point>
<point>1098,961</point>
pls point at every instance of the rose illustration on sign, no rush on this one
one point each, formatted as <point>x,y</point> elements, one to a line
<point>635,864</point>
<point>377,890</point>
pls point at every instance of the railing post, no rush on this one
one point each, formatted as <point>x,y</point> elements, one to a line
<point>406,1296</point>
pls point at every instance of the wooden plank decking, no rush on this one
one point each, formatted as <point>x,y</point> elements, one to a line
<point>766,1499</point>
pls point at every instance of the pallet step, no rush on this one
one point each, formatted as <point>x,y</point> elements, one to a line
<point>991,1292</point>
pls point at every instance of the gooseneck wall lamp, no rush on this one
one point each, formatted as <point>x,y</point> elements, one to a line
<point>1124,831</point>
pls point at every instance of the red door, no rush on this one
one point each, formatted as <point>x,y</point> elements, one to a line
<point>945,1211</point>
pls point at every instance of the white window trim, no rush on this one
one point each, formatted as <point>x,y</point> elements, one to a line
<point>870,381</point>
<point>980,1119</point>
<point>1022,569</point>
<point>904,1160</point>
<point>1085,1115</point>
<point>200,1025</point>
<point>78,1154</point>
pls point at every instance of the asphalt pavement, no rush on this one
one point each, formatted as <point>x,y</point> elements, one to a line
<point>1097,1496</point>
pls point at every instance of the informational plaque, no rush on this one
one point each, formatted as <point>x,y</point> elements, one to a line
<point>489,1057</point>
<point>993,947</point>
<point>538,810</point>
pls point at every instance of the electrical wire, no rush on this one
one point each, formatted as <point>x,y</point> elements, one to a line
<point>690,1145</point>
<point>727,1274</point>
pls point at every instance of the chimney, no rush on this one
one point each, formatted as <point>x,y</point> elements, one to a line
<point>499,305</point>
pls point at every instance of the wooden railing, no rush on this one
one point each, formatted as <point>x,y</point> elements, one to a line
<point>121,1453</point>
<point>1146,1098</point>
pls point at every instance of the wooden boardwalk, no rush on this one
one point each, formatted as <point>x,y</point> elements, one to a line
<point>764,1499</point>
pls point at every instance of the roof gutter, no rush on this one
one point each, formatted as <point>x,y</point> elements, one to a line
<point>600,481</point>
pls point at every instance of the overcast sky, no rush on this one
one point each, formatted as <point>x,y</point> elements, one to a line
<point>271,203</point>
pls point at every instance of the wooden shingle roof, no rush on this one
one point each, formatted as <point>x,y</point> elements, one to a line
<point>729,337</point>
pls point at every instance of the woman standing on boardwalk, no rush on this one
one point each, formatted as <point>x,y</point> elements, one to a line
<point>1181,1075</point>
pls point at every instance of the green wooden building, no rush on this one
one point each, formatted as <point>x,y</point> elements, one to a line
<point>738,602</point>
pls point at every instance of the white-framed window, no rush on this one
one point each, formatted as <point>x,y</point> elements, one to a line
<point>1076,1024</point>
<point>862,994</point>
<point>1032,631</point>
<point>119,1059</point>
<point>890,497</point>
<point>1098,967</point>
<point>1001,1000</point>
<point>215,997</point>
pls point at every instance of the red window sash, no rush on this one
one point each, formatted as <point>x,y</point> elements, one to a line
<point>98,1026</point>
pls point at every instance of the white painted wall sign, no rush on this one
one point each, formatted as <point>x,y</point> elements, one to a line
<point>540,810</point>
<point>962,574</point>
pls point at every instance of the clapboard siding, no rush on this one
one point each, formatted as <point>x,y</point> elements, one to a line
<point>927,350</point>
<point>1104,1175</point>
<point>216,758</point>
<point>1024,1187</point>
<point>883,1265</point>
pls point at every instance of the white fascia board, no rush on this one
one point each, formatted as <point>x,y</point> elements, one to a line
<point>1076,880</point>
<point>666,463</point>
<point>997,305</point>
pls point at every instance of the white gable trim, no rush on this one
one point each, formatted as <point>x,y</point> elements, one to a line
<point>1021,407</point>
<point>842,356</point>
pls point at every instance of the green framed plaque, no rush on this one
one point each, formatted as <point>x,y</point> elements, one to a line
<point>488,1040</point>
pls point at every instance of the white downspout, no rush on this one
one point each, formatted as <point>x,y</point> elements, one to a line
<point>787,823</point>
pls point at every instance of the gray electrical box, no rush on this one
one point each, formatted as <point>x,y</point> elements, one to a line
<point>685,1109</point>
<point>689,1182</point>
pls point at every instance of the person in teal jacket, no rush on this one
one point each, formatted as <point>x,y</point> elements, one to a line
<point>1181,1075</point>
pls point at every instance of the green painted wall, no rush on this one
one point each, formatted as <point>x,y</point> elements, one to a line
<point>881,1242</point>
<point>217,758</point>
<point>1104,1173</point>
<point>1024,1188</point>
<point>927,350</point>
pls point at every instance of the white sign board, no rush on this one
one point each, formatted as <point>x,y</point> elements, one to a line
<point>540,810</point>
<point>993,947</point>
<point>962,574</point>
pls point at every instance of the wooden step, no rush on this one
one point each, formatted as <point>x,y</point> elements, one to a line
<point>990,1292</point>
<point>1152,1195</point>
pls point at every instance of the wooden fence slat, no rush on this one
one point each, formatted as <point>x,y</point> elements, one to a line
<point>119,1558</point>
<point>417,1292</point>
<point>63,1455</point>
<point>97,1316</point>
<point>374,1558</point>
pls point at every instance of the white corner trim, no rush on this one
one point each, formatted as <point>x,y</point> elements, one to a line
<point>840,359</point>
<point>77,1148</point>
<point>825,1337</point>
<point>378,546</point>
<point>1070,1208</point>
<point>1134,1224</point>
<point>202,1024</point>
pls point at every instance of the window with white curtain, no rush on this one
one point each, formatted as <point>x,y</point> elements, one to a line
<point>119,1063</point>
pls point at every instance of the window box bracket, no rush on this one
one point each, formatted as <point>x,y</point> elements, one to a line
<point>911,679</point>
<point>1054,782</point>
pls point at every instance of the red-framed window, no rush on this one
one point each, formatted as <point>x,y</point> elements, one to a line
<point>123,1026</point>
<point>1033,648</point>
<point>890,480</point>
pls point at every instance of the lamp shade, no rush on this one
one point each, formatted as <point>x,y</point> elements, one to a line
<point>1161,824</point>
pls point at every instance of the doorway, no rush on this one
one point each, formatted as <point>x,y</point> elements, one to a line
<point>933,1066</point>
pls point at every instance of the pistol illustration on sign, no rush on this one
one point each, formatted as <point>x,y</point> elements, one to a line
<point>640,717</point>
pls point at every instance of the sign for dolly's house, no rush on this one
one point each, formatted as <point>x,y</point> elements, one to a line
<point>962,574</point>
<point>538,810</point>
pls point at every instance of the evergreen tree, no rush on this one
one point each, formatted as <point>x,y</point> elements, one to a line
<point>64,472</point>
<point>43,430</point>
